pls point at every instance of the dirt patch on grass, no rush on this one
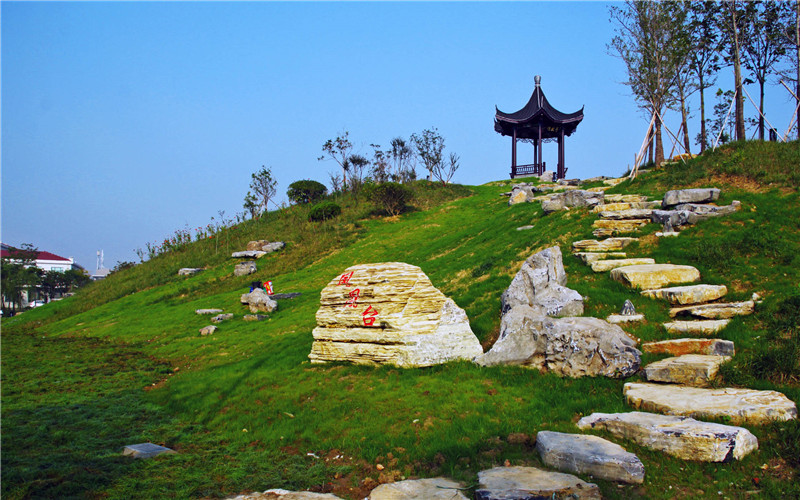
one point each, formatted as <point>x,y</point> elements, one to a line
<point>737,181</point>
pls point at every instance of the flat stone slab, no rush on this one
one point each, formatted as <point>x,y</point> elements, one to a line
<point>606,245</point>
<point>437,488</point>
<point>682,437</point>
<point>219,318</point>
<point>146,450</point>
<point>625,198</point>
<point>281,494</point>
<point>625,225</point>
<point>647,276</point>
<point>679,347</point>
<point>631,213</point>
<point>715,311</point>
<point>208,311</point>
<point>525,228</point>
<point>697,370</point>
<point>698,195</point>
<point>686,295</point>
<point>208,330</point>
<point>701,327</point>
<point>600,266</point>
<point>589,257</point>
<point>248,254</point>
<point>616,319</point>
<point>189,271</point>
<point>525,483</point>
<point>585,454</point>
<point>254,317</point>
<point>742,406</point>
<point>283,296</point>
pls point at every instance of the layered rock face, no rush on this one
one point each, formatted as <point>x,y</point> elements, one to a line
<point>570,346</point>
<point>390,313</point>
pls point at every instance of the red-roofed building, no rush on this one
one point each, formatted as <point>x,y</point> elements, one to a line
<point>44,260</point>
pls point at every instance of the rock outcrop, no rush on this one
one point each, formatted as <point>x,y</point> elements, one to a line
<point>682,437</point>
<point>585,454</point>
<point>390,313</point>
<point>245,268</point>
<point>540,283</point>
<point>258,301</point>
<point>524,483</point>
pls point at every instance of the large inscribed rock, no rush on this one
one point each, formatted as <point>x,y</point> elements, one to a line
<point>390,313</point>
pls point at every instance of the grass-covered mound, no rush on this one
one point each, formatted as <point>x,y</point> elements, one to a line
<point>122,362</point>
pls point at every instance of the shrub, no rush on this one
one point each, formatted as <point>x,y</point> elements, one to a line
<point>390,196</point>
<point>323,211</point>
<point>306,191</point>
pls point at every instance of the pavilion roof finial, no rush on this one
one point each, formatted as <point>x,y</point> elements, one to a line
<point>537,80</point>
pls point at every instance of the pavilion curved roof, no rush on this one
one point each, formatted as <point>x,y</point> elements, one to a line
<point>537,111</point>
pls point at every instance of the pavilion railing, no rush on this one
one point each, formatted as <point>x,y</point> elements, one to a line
<point>530,169</point>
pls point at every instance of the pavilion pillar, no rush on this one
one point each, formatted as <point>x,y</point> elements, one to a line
<point>514,154</point>
<point>539,158</point>
<point>562,172</point>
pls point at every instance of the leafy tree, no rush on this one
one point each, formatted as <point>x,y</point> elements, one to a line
<point>651,42</point>
<point>324,211</point>
<point>763,46</point>
<point>791,38</point>
<point>263,187</point>
<point>731,20</point>
<point>392,196</point>
<point>380,164</point>
<point>306,191</point>
<point>445,171</point>
<point>429,146</point>
<point>338,150</point>
<point>18,273</point>
<point>719,125</point>
<point>357,164</point>
<point>704,56</point>
<point>402,157</point>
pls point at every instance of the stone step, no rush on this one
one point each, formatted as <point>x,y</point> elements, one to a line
<point>686,295</point>
<point>629,214</point>
<point>679,347</point>
<point>586,454</point>
<point>697,195</point>
<point>623,225</point>
<point>681,437</point>
<point>606,245</point>
<point>520,483</point>
<point>648,276</point>
<point>600,266</point>
<point>742,406</point>
<point>625,198</point>
<point>436,488</point>
<point>589,257</point>
<point>715,311</point>
<point>697,370</point>
<point>616,319</point>
<point>701,327</point>
<point>626,206</point>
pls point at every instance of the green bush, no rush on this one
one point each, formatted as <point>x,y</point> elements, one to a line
<point>390,196</point>
<point>323,211</point>
<point>306,191</point>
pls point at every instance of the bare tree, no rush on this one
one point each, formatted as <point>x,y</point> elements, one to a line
<point>445,171</point>
<point>380,164</point>
<point>402,160</point>
<point>429,146</point>
<point>263,187</point>
<point>357,165</point>
<point>651,42</point>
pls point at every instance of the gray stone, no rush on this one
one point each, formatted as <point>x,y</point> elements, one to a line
<point>583,198</point>
<point>274,246</point>
<point>589,257</point>
<point>606,245</point>
<point>553,203</point>
<point>146,450</point>
<point>600,266</point>
<point>281,494</point>
<point>189,271</point>
<point>245,268</point>
<point>593,455</point>
<point>628,309</point>
<point>721,310</point>
<point>685,295</point>
<point>259,301</point>
<point>265,246</point>
<point>679,196</point>
<point>703,327</point>
<point>682,437</point>
<point>530,483</point>
<point>219,318</point>
<point>572,347</point>
<point>674,218</point>
<point>703,210</point>
<point>521,193</point>
<point>679,347</point>
<point>617,319</point>
<point>548,176</point>
<point>283,296</point>
<point>697,370</point>
<point>437,488</point>
<point>631,213</point>
<point>540,283</point>
<point>248,254</point>
<point>208,311</point>
<point>525,228</point>
<point>208,330</point>
<point>254,317</point>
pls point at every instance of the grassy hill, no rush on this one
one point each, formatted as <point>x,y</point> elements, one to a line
<point>122,362</point>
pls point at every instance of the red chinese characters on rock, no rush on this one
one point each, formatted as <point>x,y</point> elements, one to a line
<point>370,313</point>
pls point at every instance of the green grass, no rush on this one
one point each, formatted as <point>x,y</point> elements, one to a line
<point>122,362</point>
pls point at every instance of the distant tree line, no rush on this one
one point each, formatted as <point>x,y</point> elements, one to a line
<point>672,49</point>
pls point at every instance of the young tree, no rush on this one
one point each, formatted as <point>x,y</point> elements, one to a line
<point>338,150</point>
<point>791,37</point>
<point>704,56</point>
<point>262,188</point>
<point>731,21</point>
<point>651,42</point>
<point>763,46</point>
<point>402,160</point>
<point>444,172</point>
<point>18,273</point>
<point>357,166</point>
<point>429,146</point>
<point>380,164</point>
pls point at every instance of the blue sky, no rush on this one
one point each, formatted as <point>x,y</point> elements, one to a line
<point>123,122</point>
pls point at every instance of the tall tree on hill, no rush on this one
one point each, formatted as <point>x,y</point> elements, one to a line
<point>18,272</point>
<point>429,146</point>
<point>263,188</point>
<point>704,56</point>
<point>731,21</point>
<point>791,38</point>
<point>651,42</point>
<point>338,150</point>
<point>763,46</point>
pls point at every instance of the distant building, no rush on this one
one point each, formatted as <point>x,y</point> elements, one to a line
<point>100,274</point>
<point>45,261</point>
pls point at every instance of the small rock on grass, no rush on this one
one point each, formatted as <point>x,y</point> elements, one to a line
<point>584,454</point>
<point>438,488</point>
<point>208,330</point>
<point>219,318</point>
<point>255,317</point>
<point>146,450</point>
